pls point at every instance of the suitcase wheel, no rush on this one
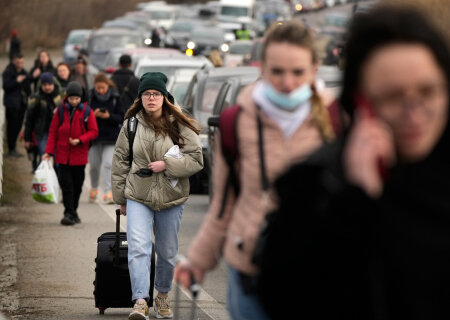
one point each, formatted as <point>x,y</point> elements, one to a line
<point>101,311</point>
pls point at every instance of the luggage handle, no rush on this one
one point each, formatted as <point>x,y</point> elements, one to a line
<point>117,245</point>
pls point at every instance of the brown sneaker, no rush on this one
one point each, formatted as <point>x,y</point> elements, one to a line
<point>162,308</point>
<point>93,195</point>
<point>140,311</point>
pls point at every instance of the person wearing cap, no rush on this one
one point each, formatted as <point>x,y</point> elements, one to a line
<point>41,107</point>
<point>125,80</point>
<point>153,190</point>
<point>68,141</point>
<point>14,44</point>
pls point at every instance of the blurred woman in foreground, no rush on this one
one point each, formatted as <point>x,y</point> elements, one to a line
<point>373,219</point>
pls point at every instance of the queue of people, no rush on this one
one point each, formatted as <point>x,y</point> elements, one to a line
<point>356,201</point>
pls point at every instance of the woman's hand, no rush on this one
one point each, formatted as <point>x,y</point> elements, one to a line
<point>46,156</point>
<point>184,270</point>
<point>370,142</point>
<point>157,166</point>
<point>123,209</point>
<point>74,142</point>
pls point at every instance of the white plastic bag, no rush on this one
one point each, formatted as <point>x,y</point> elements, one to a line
<point>174,152</point>
<point>45,183</point>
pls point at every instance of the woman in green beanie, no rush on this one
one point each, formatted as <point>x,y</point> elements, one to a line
<point>152,191</point>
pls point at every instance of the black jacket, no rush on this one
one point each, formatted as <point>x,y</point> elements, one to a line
<point>347,256</point>
<point>108,129</point>
<point>15,93</point>
<point>127,84</point>
<point>14,47</point>
<point>40,112</point>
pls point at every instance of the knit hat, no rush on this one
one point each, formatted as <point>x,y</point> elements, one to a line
<point>155,81</point>
<point>47,77</point>
<point>74,89</point>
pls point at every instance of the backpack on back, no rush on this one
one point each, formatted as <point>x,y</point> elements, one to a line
<point>87,111</point>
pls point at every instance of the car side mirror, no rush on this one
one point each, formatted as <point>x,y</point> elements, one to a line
<point>214,121</point>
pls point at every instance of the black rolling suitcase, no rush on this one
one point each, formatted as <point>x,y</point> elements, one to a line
<point>112,278</point>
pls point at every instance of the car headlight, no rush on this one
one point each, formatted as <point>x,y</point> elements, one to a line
<point>148,41</point>
<point>224,47</point>
<point>191,45</point>
<point>204,140</point>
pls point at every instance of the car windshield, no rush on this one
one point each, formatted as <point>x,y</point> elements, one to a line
<point>169,71</point>
<point>256,51</point>
<point>76,38</point>
<point>240,48</point>
<point>336,21</point>
<point>234,11</point>
<point>179,90</point>
<point>209,97</point>
<point>106,42</point>
<point>207,33</point>
<point>161,15</point>
<point>182,26</point>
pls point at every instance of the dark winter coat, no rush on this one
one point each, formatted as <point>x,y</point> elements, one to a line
<point>40,112</point>
<point>127,84</point>
<point>349,256</point>
<point>75,127</point>
<point>108,128</point>
<point>15,93</point>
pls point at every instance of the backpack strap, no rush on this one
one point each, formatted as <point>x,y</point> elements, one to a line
<point>229,145</point>
<point>61,114</point>
<point>131,128</point>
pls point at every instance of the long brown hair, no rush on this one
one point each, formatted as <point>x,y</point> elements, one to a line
<point>102,77</point>
<point>165,125</point>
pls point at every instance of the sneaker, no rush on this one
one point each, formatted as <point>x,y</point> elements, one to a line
<point>93,195</point>
<point>67,221</point>
<point>140,311</point>
<point>162,308</point>
<point>108,198</point>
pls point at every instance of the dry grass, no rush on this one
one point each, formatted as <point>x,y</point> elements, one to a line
<point>46,23</point>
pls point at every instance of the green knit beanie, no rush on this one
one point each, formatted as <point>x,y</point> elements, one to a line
<point>153,81</point>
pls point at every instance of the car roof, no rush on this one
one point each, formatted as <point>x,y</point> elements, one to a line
<point>228,71</point>
<point>107,31</point>
<point>172,60</point>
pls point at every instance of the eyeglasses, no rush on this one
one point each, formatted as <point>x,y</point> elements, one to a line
<point>155,95</point>
<point>425,96</point>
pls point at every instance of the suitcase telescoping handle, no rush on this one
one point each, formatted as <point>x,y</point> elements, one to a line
<point>117,246</point>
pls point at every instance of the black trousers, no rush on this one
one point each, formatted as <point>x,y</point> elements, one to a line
<point>72,178</point>
<point>14,121</point>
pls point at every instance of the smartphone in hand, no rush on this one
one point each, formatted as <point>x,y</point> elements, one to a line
<point>363,104</point>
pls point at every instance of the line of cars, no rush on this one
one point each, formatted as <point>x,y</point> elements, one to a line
<point>198,86</point>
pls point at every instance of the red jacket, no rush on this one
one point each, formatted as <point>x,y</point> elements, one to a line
<point>58,136</point>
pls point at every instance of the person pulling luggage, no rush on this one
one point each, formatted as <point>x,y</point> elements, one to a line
<point>150,182</point>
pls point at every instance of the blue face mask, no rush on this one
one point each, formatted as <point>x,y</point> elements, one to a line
<point>291,100</point>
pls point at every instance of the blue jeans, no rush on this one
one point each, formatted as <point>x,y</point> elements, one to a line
<point>141,220</point>
<point>242,306</point>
